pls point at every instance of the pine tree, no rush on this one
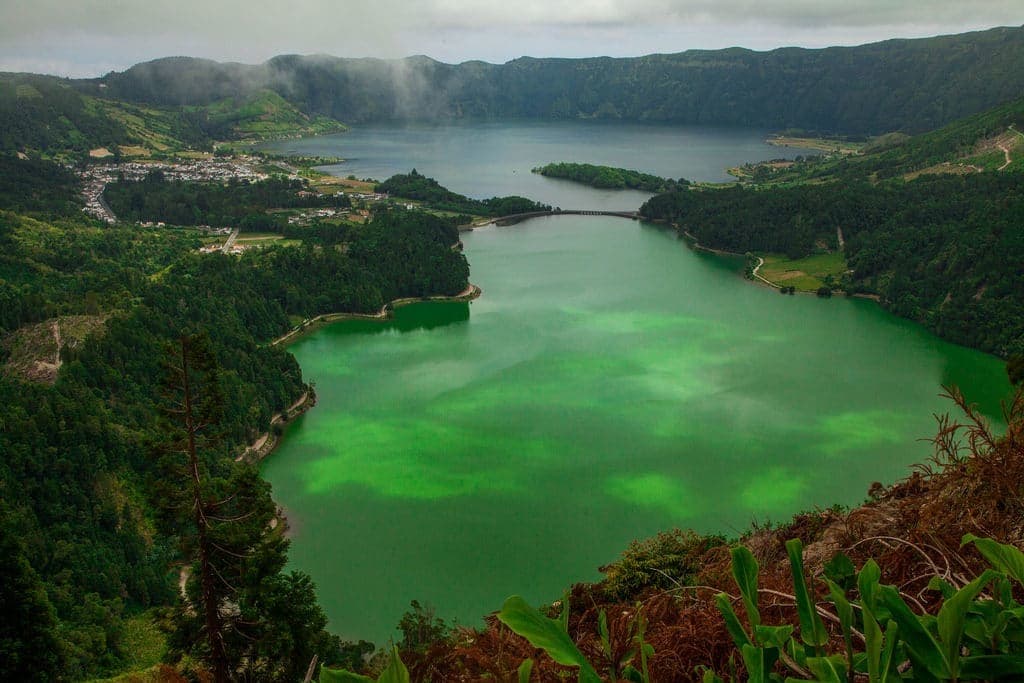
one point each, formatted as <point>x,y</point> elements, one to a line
<point>240,615</point>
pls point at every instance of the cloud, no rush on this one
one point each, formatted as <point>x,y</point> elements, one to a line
<point>70,35</point>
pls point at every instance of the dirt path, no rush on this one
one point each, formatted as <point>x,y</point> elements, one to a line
<point>839,238</point>
<point>56,337</point>
<point>186,571</point>
<point>256,447</point>
<point>700,247</point>
<point>756,272</point>
<point>1006,152</point>
<point>44,369</point>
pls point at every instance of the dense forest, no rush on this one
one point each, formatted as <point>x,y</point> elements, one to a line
<point>237,203</point>
<point>413,185</point>
<point>88,462</point>
<point>896,85</point>
<point>610,178</point>
<point>45,114</point>
<point>943,250</point>
<point>34,186</point>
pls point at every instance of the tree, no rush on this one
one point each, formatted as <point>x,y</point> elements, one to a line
<point>241,614</point>
<point>1015,369</point>
<point>29,648</point>
<point>421,627</point>
<point>194,398</point>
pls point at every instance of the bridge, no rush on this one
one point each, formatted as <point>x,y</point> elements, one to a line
<point>519,217</point>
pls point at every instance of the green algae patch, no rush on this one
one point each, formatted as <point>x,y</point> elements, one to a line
<point>609,384</point>
<point>653,490</point>
<point>860,430</point>
<point>773,491</point>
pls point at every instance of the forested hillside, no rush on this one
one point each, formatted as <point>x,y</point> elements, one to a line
<point>52,118</point>
<point>82,479</point>
<point>896,85</point>
<point>945,250</point>
<point>235,204</point>
<point>413,185</point>
<point>992,140</point>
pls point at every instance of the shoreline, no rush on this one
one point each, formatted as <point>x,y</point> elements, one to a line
<point>267,442</point>
<point>695,244</point>
<point>312,324</point>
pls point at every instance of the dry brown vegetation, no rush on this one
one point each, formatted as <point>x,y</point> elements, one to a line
<point>32,352</point>
<point>913,529</point>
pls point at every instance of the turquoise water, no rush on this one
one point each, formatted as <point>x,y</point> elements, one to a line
<point>609,383</point>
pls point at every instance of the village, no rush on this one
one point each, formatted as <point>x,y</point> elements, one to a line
<point>96,177</point>
<point>247,168</point>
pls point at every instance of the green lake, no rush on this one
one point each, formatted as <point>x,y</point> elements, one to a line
<point>610,383</point>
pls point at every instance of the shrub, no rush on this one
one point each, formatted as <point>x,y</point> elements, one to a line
<point>667,560</point>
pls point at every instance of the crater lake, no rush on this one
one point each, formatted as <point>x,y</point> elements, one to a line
<point>610,383</point>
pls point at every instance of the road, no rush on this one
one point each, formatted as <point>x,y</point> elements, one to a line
<point>231,241</point>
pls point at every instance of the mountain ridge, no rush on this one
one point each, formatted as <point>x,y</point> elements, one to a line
<point>910,85</point>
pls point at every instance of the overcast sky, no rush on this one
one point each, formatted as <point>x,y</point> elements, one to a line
<point>91,37</point>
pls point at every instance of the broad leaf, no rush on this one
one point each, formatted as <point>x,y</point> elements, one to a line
<point>744,570</point>
<point>525,669</point>
<point>845,611</point>
<point>773,636</point>
<point>992,667</point>
<point>827,669</point>
<point>1005,558</point>
<point>922,645</point>
<point>563,616</point>
<point>396,671</point>
<point>759,661</point>
<point>952,615</point>
<point>867,584</point>
<point>602,629</point>
<point>888,661</point>
<point>711,677</point>
<point>341,676</point>
<point>546,634</point>
<point>732,622</point>
<point>632,674</point>
<point>812,630</point>
<point>840,570</point>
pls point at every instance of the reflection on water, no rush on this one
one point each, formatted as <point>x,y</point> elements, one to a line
<point>427,315</point>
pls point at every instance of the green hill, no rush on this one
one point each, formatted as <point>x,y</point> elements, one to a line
<point>895,85</point>
<point>930,226</point>
<point>43,116</point>
<point>992,140</point>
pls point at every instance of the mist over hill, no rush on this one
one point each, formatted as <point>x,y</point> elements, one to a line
<point>905,85</point>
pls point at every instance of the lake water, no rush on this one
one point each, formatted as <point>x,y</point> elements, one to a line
<point>488,159</point>
<point>609,384</point>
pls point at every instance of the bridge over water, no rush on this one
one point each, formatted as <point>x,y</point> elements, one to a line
<point>518,217</point>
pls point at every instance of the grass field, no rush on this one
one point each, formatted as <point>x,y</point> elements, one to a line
<point>264,240</point>
<point>806,274</point>
<point>250,236</point>
<point>819,144</point>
